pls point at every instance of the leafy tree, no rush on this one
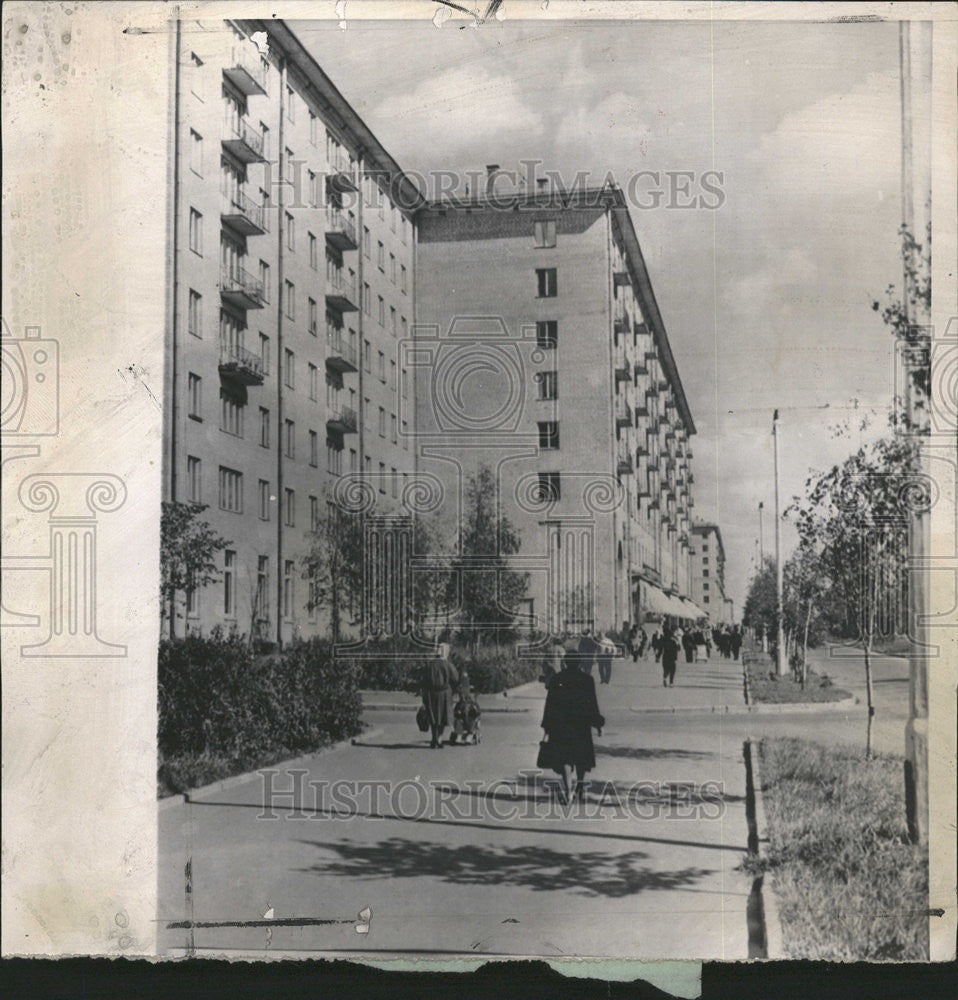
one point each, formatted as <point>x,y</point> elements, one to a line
<point>854,518</point>
<point>486,594</point>
<point>806,605</point>
<point>432,586</point>
<point>761,601</point>
<point>334,565</point>
<point>188,550</point>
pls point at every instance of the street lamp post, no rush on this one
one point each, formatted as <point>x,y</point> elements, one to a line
<point>779,607</point>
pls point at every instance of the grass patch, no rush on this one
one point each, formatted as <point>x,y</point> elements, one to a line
<point>849,884</point>
<point>765,686</point>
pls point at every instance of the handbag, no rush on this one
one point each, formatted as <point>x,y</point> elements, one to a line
<point>422,719</point>
<point>547,756</point>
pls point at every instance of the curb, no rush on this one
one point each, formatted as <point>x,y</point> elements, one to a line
<point>396,707</point>
<point>773,926</point>
<point>781,708</point>
<point>238,779</point>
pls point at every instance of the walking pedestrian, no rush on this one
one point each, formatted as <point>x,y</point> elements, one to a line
<point>587,650</point>
<point>436,684</point>
<point>670,656</point>
<point>571,713</point>
<point>604,656</point>
<point>657,645</point>
<point>552,660</point>
<point>642,642</point>
<point>736,641</point>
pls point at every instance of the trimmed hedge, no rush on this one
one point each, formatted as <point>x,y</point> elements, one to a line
<point>223,710</point>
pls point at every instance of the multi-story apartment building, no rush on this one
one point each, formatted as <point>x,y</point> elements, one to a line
<point>291,274</point>
<point>708,572</point>
<point>542,354</point>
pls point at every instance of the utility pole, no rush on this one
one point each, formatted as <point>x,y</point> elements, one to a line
<point>761,535</point>
<point>779,607</point>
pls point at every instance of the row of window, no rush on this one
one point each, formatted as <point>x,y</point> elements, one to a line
<point>262,596</point>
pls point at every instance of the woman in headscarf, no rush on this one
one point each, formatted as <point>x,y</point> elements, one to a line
<point>571,713</point>
<point>438,678</point>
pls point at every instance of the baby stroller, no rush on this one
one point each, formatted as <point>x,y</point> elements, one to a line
<point>465,718</point>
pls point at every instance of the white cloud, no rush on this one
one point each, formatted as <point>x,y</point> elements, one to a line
<point>608,135</point>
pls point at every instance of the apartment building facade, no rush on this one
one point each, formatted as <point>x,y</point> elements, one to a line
<point>708,573</point>
<point>542,354</point>
<point>291,277</point>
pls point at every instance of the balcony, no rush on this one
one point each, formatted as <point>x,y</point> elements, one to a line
<point>342,420</point>
<point>340,355</point>
<point>623,414</point>
<point>340,292</point>
<point>340,229</point>
<point>244,216</point>
<point>621,324</point>
<point>240,367</point>
<point>625,467</point>
<point>342,172</point>
<point>620,277</point>
<point>642,451</point>
<point>640,329</point>
<point>640,368</point>
<point>246,72</point>
<point>244,142</point>
<point>623,373</point>
<point>241,289</point>
<point>641,410</point>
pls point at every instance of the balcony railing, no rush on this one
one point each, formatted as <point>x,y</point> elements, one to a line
<point>640,329</point>
<point>340,355</point>
<point>240,366</point>
<point>243,215</point>
<point>342,172</point>
<point>246,71</point>
<point>340,229</point>
<point>621,324</point>
<point>625,466</point>
<point>623,414</point>
<point>340,292</point>
<point>623,373</point>
<point>342,420</point>
<point>240,288</point>
<point>641,368</point>
<point>244,142</point>
<point>620,276</point>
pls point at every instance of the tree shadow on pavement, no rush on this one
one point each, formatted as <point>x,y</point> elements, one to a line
<point>652,753</point>
<point>585,873</point>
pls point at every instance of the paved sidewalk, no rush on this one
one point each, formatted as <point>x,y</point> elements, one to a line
<point>467,852</point>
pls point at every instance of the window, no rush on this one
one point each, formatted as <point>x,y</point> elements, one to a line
<point>263,427</point>
<point>290,300</point>
<point>545,233</point>
<point>290,232</point>
<point>392,321</point>
<point>392,268</point>
<point>548,385</point>
<point>382,311</point>
<point>313,513</point>
<point>549,435</point>
<point>289,165</point>
<point>547,334</point>
<point>705,559</point>
<point>262,588</point>
<point>289,508</point>
<point>313,252</point>
<point>366,410</point>
<point>194,321</point>
<point>705,572</point>
<point>393,433</point>
<point>264,351</point>
<point>196,152</point>
<point>195,390</point>
<point>381,256</point>
<point>367,353</point>
<point>229,583</point>
<point>193,478</point>
<point>404,379</point>
<point>264,132</point>
<point>705,598</point>
<point>231,414</point>
<point>312,188</point>
<point>353,460</point>
<point>313,318</point>
<point>382,422</point>
<point>192,596</point>
<point>705,586</point>
<point>405,436</point>
<point>392,375</point>
<point>382,477</point>
<point>288,567</point>
<point>381,366</point>
<point>546,281</point>
<point>290,439</point>
<point>334,458</point>
<point>313,449</point>
<point>313,381</point>
<point>402,227</point>
<point>196,232</point>
<point>289,369</point>
<point>402,277</point>
<point>264,500</point>
<point>231,490</point>
<point>290,107</point>
<point>313,128</point>
<point>264,279</point>
<point>549,489</point>
<point>394,481</point>
<point>368,464</point>
<point>403,326</point>
<point>705,546</point>
<point>367,299</point>
<point>366,242</point>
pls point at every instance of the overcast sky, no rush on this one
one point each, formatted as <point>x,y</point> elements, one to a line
<point>767,300</point>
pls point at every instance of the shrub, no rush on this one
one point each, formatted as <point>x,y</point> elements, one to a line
<point>222,710</point>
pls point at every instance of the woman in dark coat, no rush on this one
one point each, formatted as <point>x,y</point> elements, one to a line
<point>571,713</point>
<point>438,678</point>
